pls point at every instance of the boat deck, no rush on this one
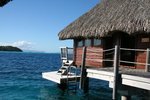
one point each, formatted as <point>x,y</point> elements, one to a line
<point>58,78</point>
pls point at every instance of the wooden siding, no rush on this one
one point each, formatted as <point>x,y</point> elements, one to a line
<point>141,56</point>
<point>94,56</point>
<point>78,56</point>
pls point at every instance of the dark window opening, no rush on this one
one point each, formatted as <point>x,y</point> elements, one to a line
<point>80,43</point>
<point>88,42</point>
<point>96,42</point>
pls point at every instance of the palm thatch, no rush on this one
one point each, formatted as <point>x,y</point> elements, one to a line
<point>3,2</point>
<point>130,16</point>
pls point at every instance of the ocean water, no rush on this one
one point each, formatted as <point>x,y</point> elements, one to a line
<point>21,79</point>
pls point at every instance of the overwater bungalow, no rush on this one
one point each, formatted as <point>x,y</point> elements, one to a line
<point>125,23</point>
<point>115,33</point>
<point>4,2</point>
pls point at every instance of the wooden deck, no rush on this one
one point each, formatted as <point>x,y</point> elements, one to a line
<point>130,77</point>
<point>58,78</point>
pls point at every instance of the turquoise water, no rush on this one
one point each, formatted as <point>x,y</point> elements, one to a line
<point>21,79</point>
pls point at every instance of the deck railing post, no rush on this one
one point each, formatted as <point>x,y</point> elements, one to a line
<point>83,78</point>
<point>66,53</point>
<point>61,55</point>
<point>147,67</point>
<point>116,69</point>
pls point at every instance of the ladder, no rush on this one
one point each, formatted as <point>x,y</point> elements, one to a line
<point>73,83</point>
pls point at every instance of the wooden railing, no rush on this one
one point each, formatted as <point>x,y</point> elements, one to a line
<point>142,58</point>
<point>66,53</point>
<point>95,56</point>
<point>116,63</point>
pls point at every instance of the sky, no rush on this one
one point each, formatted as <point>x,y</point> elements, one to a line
<point>35,24</point>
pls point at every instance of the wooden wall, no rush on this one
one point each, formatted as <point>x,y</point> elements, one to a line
<point>78,56</point>
<point>94,56</point>
<point>143,42</point>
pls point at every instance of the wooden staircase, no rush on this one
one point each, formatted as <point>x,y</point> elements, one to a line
<point>65,67</point>
<point>69,70</point>
<point>67,73</point>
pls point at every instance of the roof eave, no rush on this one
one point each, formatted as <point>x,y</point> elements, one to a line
<point>4,2</point>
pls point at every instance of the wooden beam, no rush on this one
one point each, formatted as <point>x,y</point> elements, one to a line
<point>83,80</point>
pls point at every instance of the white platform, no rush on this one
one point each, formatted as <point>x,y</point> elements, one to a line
<point>130,78</point>
<point>136,81</point>
<point>58,78</point>
<point>102,75</point>
<point>133,78</point>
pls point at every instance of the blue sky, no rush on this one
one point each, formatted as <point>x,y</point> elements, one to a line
<point>35,24</point>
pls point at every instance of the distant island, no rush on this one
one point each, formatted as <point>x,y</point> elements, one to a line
<point>10,48</point>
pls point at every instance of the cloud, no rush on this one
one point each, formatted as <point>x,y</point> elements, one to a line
<point>25,45</point>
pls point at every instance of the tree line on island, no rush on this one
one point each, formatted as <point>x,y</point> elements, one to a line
<point>10,48</point>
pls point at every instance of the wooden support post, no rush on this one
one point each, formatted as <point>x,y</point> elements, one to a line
<point>147,67</point>
<point>116,69</point>
<point>83,80</point>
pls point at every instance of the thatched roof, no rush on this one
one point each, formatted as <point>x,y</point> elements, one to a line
<point>130,16</point>
<point>3,2</point>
